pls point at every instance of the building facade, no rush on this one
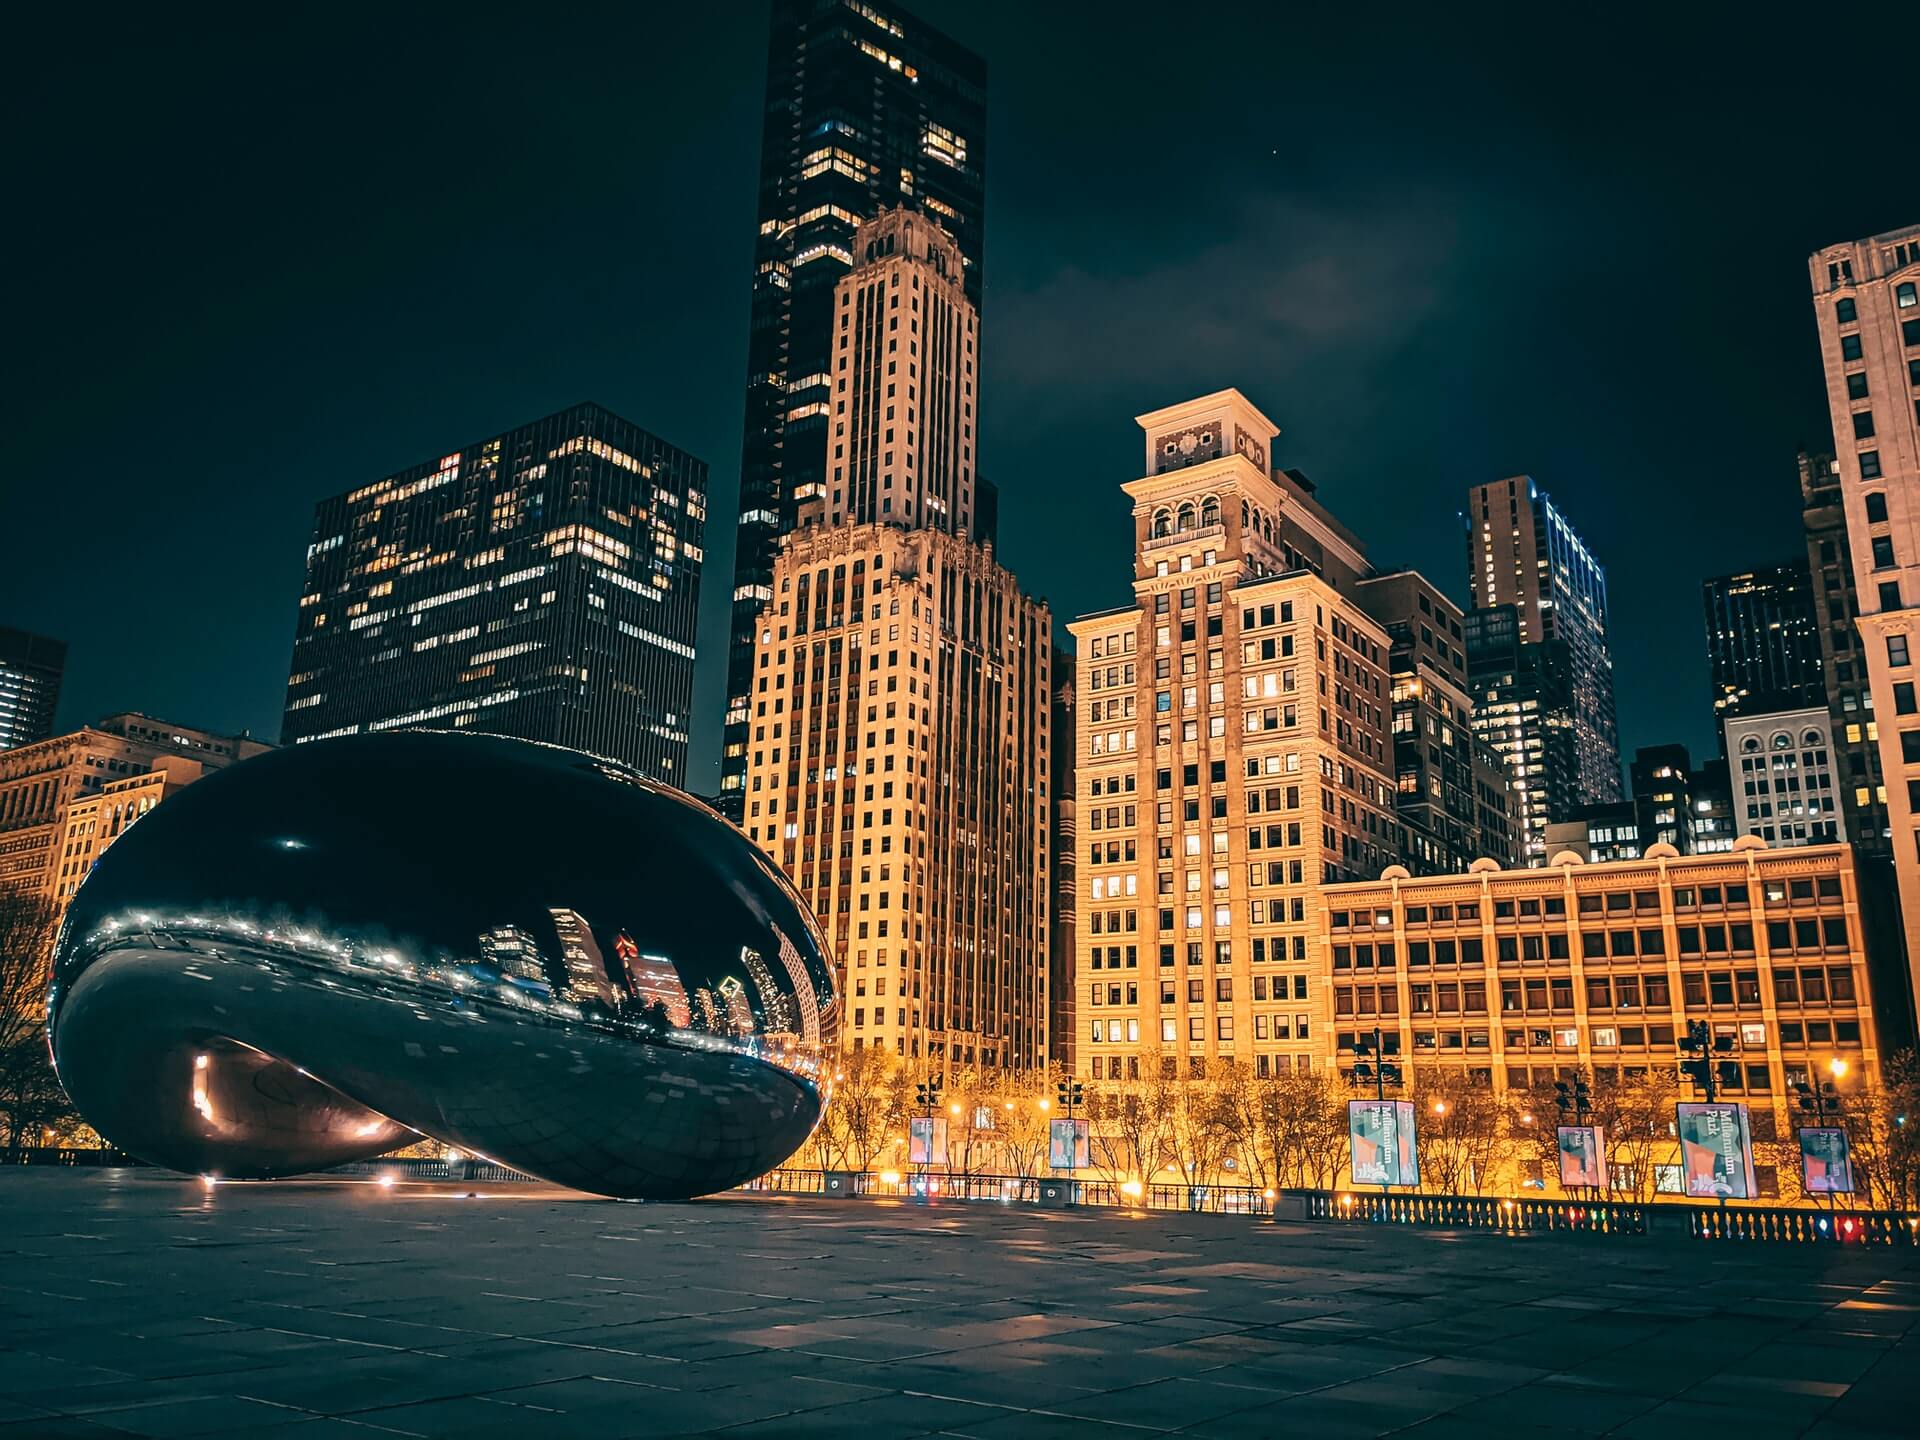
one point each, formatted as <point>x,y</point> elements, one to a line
<point>1866,296</point>
<point>1519,977</point>
<point>1522,701</point>
<point>1787,789</point>
<point>899,773</point>
<point>1062,1013</point>
<point>63,801</point>
<point>1763,641</point>
<point>31,669</point>
<point>1849,699</point>
<point>1524,553</point>
<point>1233,755</point>
<point>1450,787</point>
<point>866,107</point>
<point>544,583</point>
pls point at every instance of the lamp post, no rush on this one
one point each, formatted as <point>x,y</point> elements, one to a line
<point>1072,1095</point>
<point>1381,1071</point>
<point>1819,1099</point>
<point>1575,1102</point>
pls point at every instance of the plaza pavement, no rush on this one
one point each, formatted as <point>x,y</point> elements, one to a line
<point>133,1303</point>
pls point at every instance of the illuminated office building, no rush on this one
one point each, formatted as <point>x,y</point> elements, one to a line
<point>1233,755</point>
<point>544,583</point>
<point>913,810</point>
<point>1542,677</point>
<point>31,668</point>
<point>899,774</point>
<point>1763,641</point>
<point>866,107</point>
<point>1062,1031</point>
<point>63,801</point>
<point>1782,764</point>
<point>1450,788</point>
<point>1518,976</point>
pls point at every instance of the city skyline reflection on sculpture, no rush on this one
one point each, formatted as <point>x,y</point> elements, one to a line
<point>519,950</point>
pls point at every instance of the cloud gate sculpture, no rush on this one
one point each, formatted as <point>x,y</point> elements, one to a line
<point>519,950</point>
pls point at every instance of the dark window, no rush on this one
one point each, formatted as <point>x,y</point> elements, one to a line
<point>1857,385</point>
<point>1889,594</point>
<point>1877,507</point>
<point>1869,464</point>
<point>1849,347</point>
<point>1882,553</point>
<point>1845,311</point>
<point>1897,650</point>
<point>1910,332</point>
<point>1903,698</point>
<point>1862,430</point>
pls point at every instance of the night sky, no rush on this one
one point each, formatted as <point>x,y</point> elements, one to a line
<point>259,262</point>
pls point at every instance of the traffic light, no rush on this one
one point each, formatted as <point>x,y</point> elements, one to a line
<point>1696,1046</point>
<point>1389,1073</point>
<point>1071,1093</point>
<point>927,1092</point>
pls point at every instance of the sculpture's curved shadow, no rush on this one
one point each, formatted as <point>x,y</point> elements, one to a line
<point>512,948</point>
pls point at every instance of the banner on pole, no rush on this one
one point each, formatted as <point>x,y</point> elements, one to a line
<point>1383,1137</point>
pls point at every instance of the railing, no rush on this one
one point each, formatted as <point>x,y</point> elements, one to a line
<point>416,1168</point>
<point>1477,1212</point>
<point>1806,1227</point>
<point>65,1155</point>
<point>1503,1215</point>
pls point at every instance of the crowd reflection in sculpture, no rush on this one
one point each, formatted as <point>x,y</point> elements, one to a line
<point>513,949</point>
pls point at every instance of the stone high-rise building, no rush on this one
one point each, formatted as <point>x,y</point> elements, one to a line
<point>1524,554</point>
<point>899,774</point>
<point>1849,699</point>
<point>901,447</point>
<point>866,107</point>
<point>898,760</point>
<point>63,801</point>
<point>1866,296</point>
<point>1233,755</point>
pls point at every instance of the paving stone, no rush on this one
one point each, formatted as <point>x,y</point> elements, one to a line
<point>133,1303</point>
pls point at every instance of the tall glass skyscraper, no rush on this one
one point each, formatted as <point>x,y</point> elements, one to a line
<point>1763,641</point>
<point>866,107</point>
<point>31,668</point>
<point>544,583</point>
<point>1523,554</point>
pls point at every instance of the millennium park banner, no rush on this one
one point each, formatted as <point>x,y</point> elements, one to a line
<point>1826,1160</point>
<point>1383,1136</point>
<point>1716,1151</point>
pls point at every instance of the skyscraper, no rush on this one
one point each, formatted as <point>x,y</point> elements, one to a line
<point>1233,755</point>
<point>1521,706</point>
<point>1836,602</point>
<point>1763,641</point>
<point>31,668</point>
<point>866,107</point>
<point>1450,786</point>
<point>900,712</point>
<point>1866,299</point>
<point>1523,553</point>
<point>543,583</point>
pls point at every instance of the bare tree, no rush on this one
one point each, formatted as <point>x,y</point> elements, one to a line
<point>1461,1131</point>
<point>1022,1123</point>
<point>1883,1125</point>
<point>31,1100</point>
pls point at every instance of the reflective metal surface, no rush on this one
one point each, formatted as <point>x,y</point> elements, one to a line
<point>518,950</point>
